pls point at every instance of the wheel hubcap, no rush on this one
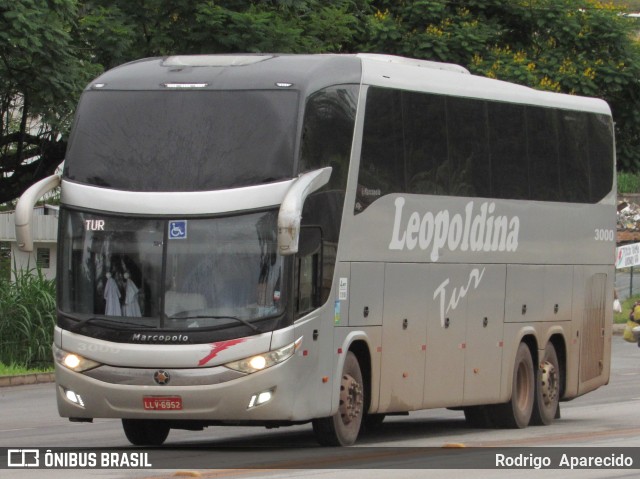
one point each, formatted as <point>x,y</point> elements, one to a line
<point>350,399</point>
<point>548,382</point>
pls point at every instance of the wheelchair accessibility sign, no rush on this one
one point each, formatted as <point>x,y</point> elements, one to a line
<point>178,229</point>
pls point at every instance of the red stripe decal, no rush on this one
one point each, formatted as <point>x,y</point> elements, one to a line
<point>219,347</point>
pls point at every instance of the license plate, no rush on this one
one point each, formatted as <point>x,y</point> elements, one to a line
<point>162,403</point>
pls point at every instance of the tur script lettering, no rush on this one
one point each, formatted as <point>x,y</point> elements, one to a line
<point>450,300</point>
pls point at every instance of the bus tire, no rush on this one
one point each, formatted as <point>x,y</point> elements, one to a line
<point>548,382</point>
<point>516,413</point>
<point>145,432</point>
<point>342,428</point>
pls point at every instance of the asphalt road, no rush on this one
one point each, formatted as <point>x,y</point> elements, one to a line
<point>607,418</point>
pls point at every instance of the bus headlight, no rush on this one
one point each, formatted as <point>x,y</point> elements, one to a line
<point>72,361</point>
<point>265,360</point>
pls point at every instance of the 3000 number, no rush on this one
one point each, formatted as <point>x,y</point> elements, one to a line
<point>605,235</point>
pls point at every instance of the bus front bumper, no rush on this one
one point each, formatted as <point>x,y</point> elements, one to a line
<point>213,394</point>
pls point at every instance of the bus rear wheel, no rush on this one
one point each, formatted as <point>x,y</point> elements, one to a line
<point>145,432</point>
<point>548,383</point>
<point>342,428</point>
<point>516,413</point>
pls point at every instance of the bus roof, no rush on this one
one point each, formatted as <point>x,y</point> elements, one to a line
<point>447,80</point>
<point>309,73</point>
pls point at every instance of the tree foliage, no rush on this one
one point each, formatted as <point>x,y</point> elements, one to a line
<point>49,49</point>
<point>122,30</point>
<point>41,71</point>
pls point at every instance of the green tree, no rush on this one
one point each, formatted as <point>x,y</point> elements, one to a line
<point>123,30</point>
<point>580,47</point>
<point>42,70</point>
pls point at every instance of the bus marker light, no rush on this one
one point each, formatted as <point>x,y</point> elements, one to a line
<point>185,85</point>
<point>325,379</point>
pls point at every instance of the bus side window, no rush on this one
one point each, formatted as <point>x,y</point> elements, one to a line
<point>308,270</point>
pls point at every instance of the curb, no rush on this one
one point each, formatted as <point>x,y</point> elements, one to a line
<point>23,379</point>
<point>617,329</point>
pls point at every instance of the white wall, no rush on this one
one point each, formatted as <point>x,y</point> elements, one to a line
<point>26,261</point>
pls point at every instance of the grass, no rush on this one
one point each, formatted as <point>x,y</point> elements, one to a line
<point>16,370</point>
<point>28,319</point>
<point>621,318</point>
<point>628,182</point>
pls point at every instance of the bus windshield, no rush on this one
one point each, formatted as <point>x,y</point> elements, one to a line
<point>171,274</point>
<point>183,140</point>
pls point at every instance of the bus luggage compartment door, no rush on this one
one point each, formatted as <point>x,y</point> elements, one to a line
<point>404,331</point>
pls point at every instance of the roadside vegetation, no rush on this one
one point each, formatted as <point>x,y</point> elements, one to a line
<point>27,320</point>
<point>628,182</point>
<point>17,370</point>
<point>621,318</point>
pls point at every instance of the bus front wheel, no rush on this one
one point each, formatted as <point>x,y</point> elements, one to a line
<point>145,432</point>
<point>342,428</point>
<point>517,412</point>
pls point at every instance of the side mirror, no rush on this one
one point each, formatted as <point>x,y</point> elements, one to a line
<point>290,213</point>
<point>24,210</point>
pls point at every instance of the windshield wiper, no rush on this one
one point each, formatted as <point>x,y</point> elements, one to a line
<point>82,321</point>
<point>204,316</point>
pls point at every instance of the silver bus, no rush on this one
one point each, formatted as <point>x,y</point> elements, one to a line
<point>272,240</point>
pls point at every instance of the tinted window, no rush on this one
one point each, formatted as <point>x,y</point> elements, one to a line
<point>425,144</point>
<point>574,154</point>
<point>600,151</point>
<point>468,147</point>
<point>382,157</point>
<point>328,132</point>
<point>543,152</point>
<point>182,140</point>
<point>329,121</point>
<point>432,144</point>
<point>507,140</point>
